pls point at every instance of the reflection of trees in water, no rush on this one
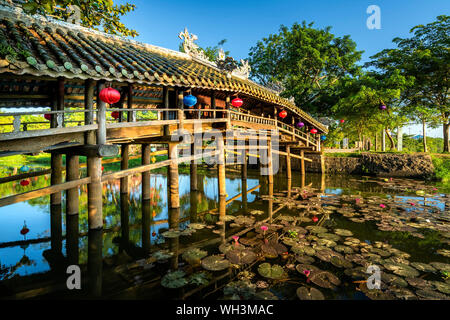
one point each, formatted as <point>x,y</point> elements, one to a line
<point>8,272</point>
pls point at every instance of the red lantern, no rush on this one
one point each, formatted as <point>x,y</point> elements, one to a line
<point>48,116</point>
<point>315,219</point>
<point>237,103</point>
<point>24,230</point>
<point>115,114</point>
<point>314,131</point>
<point>109,95</point>
<point>24,183</point>
<point>342,121</point>
<point>283,114</point>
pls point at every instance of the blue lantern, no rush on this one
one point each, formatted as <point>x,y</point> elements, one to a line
<point>190,101</point>
<point>25,168</point>
<point>323,138</point>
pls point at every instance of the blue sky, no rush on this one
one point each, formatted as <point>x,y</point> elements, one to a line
<point>245,22</point>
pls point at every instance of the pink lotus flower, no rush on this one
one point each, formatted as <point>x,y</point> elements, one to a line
<point>264,228</point>
<point>357,200</point>
<point>412,203</point>
<point>236,238</point>
<point>306,273</point>
<point>382,206</point>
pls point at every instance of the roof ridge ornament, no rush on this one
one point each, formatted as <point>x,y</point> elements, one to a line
<point>242,71</point>
<point>190,47</point>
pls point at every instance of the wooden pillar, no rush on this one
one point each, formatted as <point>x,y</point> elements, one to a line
<point>288,163</point>
<point>173,187</point>
<point>101,115</point>
<point>302,162</point>
<point>166,113</point>
<point>383,141</point>
<point>95,262</point>
<point>221,168</point>
<point>124,218</point>
<point>180,107</point>
<point>131,114</point>
<point>72,209</point>
<point>244,163</point>
<point>146,214</point>
<point>193,169</point>
<point>95,193</point>
<point>146,152</point>
<point>213,104</point>
<point>228,106</point>
<point>270,160</point>
<point>89,88</point>
<point>125,155</point>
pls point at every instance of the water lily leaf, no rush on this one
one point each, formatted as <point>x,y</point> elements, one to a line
<point>402,269</point>
<point>316,229</point>
<point>174,280</point>
<point>197,226</point>
<point>241,256</point>
<point>441,266</point>
<point>303,293</point>
<point>442,286</point>
<point>431,295</point>
<point>303,249</point>
<point>325,279</point>
<point>162,255</point>
<point>304,259</point>
<point>215,263</point>
<point>256,212</point>
<point>193,256</point>
<point>199,278</point>
<point>275,272</point>
<point>423,267</point>
<point>343,232</point>
<point>265,295</point>
<point>171,234</point>
<point>341,262</point>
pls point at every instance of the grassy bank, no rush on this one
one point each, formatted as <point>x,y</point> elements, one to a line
<point>442,168</point>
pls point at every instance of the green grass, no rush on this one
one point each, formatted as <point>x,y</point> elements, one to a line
<point>442,168</point>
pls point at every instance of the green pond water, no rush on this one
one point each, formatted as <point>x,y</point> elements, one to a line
<point>128,259</point>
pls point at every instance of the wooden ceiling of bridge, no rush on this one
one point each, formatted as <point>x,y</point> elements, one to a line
<point>49,48</point>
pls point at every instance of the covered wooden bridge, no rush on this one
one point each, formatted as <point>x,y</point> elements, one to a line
<point>51,74</point>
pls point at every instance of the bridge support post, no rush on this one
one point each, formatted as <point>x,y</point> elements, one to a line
<point>173,183</point>
<point>302,162</point>
<point>244,178</point>
<point>193,169</point>
<point>72,209</point>
<point>125,155</point>
<point>55,204</point>
<point>146,175</point>
<point>270,161</point>
<point>221,168</point>
<point>288,163</point>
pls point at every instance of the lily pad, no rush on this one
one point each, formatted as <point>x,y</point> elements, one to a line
<point>343,232</point>
<point>341,262</point>
<point>215,263</point>
<point>423,267</point>
<point>171,234</point>
<point>303,293</point>
<point>274,272</point>
<point>325,279</point>
<point>194,256</point>
<point>174,280</point>
<point>241,256</point>
<point>441,266</point>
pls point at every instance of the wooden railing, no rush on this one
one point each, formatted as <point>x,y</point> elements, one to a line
<point>238,116</point>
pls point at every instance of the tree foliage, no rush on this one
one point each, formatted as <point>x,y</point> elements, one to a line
<point>94,13</point>
<point>425,57</point>
<point>308,62</point>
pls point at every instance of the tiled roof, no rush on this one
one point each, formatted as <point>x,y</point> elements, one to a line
<point>39,46</point>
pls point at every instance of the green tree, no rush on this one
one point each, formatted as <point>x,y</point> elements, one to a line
<point>308,62</point>
<point>360,105</point>
<point>94,13</point>
<point>426,57</point>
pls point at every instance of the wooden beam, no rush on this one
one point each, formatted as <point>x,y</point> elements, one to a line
<point>104,150</point>
<point>42,192</point>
